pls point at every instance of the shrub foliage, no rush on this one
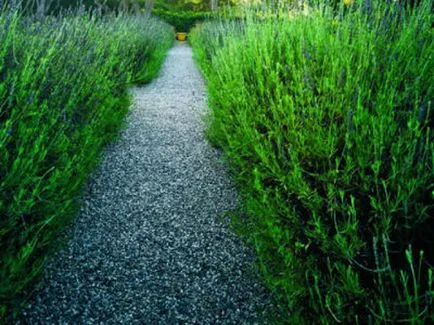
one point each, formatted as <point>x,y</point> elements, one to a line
<point>326,117</point>
<point>183,21</point>
<point>63,95</point>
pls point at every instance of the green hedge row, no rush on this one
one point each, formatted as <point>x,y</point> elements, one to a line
<point>63,95</point>
<point>327,121</point>
<point>183,21</point>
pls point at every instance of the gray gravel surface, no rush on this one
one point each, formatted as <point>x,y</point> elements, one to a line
<point>149,245</point>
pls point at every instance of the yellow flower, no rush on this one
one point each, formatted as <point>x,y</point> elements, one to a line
<point>348,2</point>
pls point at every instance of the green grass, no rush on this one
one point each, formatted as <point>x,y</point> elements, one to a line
<point>326,119</point>
<point>63,95</point>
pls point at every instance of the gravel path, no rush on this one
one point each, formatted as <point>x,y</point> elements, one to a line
<point>149,245</point>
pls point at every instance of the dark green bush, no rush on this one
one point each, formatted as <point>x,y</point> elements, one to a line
<point>183,21</point>
<point>63,95</point>
<point>327,121</point>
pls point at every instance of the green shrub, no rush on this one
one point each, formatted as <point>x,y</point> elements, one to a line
<point>63,95</point>
<point>327,121</point>
<point>183,21</point>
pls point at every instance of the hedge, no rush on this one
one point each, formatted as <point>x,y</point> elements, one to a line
<point>63,95</point>
<point>326,120</point>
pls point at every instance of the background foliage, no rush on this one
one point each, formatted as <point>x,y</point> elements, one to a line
<point>63,95</point>
<point>326,117</point>
<point>183,21</point>
<point>191,5</point>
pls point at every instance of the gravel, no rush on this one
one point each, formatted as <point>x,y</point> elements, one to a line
<point>149,245</point>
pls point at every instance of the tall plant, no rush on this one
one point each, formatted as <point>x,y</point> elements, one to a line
<point>63,95</point>
<point>326,117</point>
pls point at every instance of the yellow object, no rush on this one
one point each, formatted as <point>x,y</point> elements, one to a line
<point>181,36</point>
<point>348,2</point>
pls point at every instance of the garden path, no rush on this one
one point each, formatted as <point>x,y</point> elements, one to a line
<point>149,245</point>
